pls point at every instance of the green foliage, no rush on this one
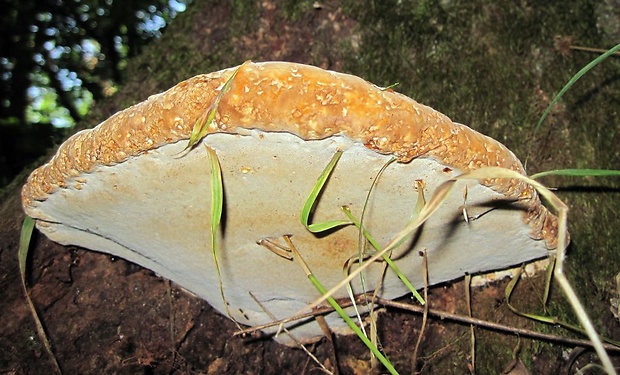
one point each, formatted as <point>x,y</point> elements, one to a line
<point>59,57</point>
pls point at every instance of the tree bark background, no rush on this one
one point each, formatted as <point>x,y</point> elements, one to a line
<point>492,66</point>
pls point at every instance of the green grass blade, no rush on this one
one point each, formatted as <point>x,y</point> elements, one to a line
<point>390,87</point>
<point>385,257</point>
<point>548,279</point>
<point>546,319</point>
<point>217,198</point>
<point>436,200</point>
<point>312,198</point>
<point>508,293</point>
<point>578,173</point>
<point>357,224</point>
<point>24,245</point>
<point>201,126</point>
<point>217,205</point>
<point>388,365</point>
<point>574,79</point>
<point>481,174</point>
<point>433,204</point>
<point>562,213</point>
<point>22,255</point>
<point>317,284</point>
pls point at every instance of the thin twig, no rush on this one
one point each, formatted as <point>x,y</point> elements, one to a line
<point>321,310</point>
<point>566,341</point>
<point>315,359</point>
<point>593,50</point>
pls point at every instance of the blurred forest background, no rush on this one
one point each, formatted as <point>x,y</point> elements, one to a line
<point>57,57</point>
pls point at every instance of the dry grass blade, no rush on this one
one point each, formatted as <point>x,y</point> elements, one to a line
<point>548,277</point>
<point>432,205</point>
<point>386,258</point>
<point>484,174</point>
<point>362,233</point>
<point>562,210</point>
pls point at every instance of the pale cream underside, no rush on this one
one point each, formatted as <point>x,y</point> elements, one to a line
<point>154,210</point>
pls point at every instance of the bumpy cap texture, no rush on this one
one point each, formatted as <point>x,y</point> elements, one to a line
<point>309,102</point>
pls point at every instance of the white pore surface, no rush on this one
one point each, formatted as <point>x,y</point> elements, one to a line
<point>154,210</point>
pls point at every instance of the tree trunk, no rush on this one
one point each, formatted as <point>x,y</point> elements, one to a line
<point>492,66</point>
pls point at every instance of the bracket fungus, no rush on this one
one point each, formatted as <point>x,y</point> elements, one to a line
<point>128,188</point>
